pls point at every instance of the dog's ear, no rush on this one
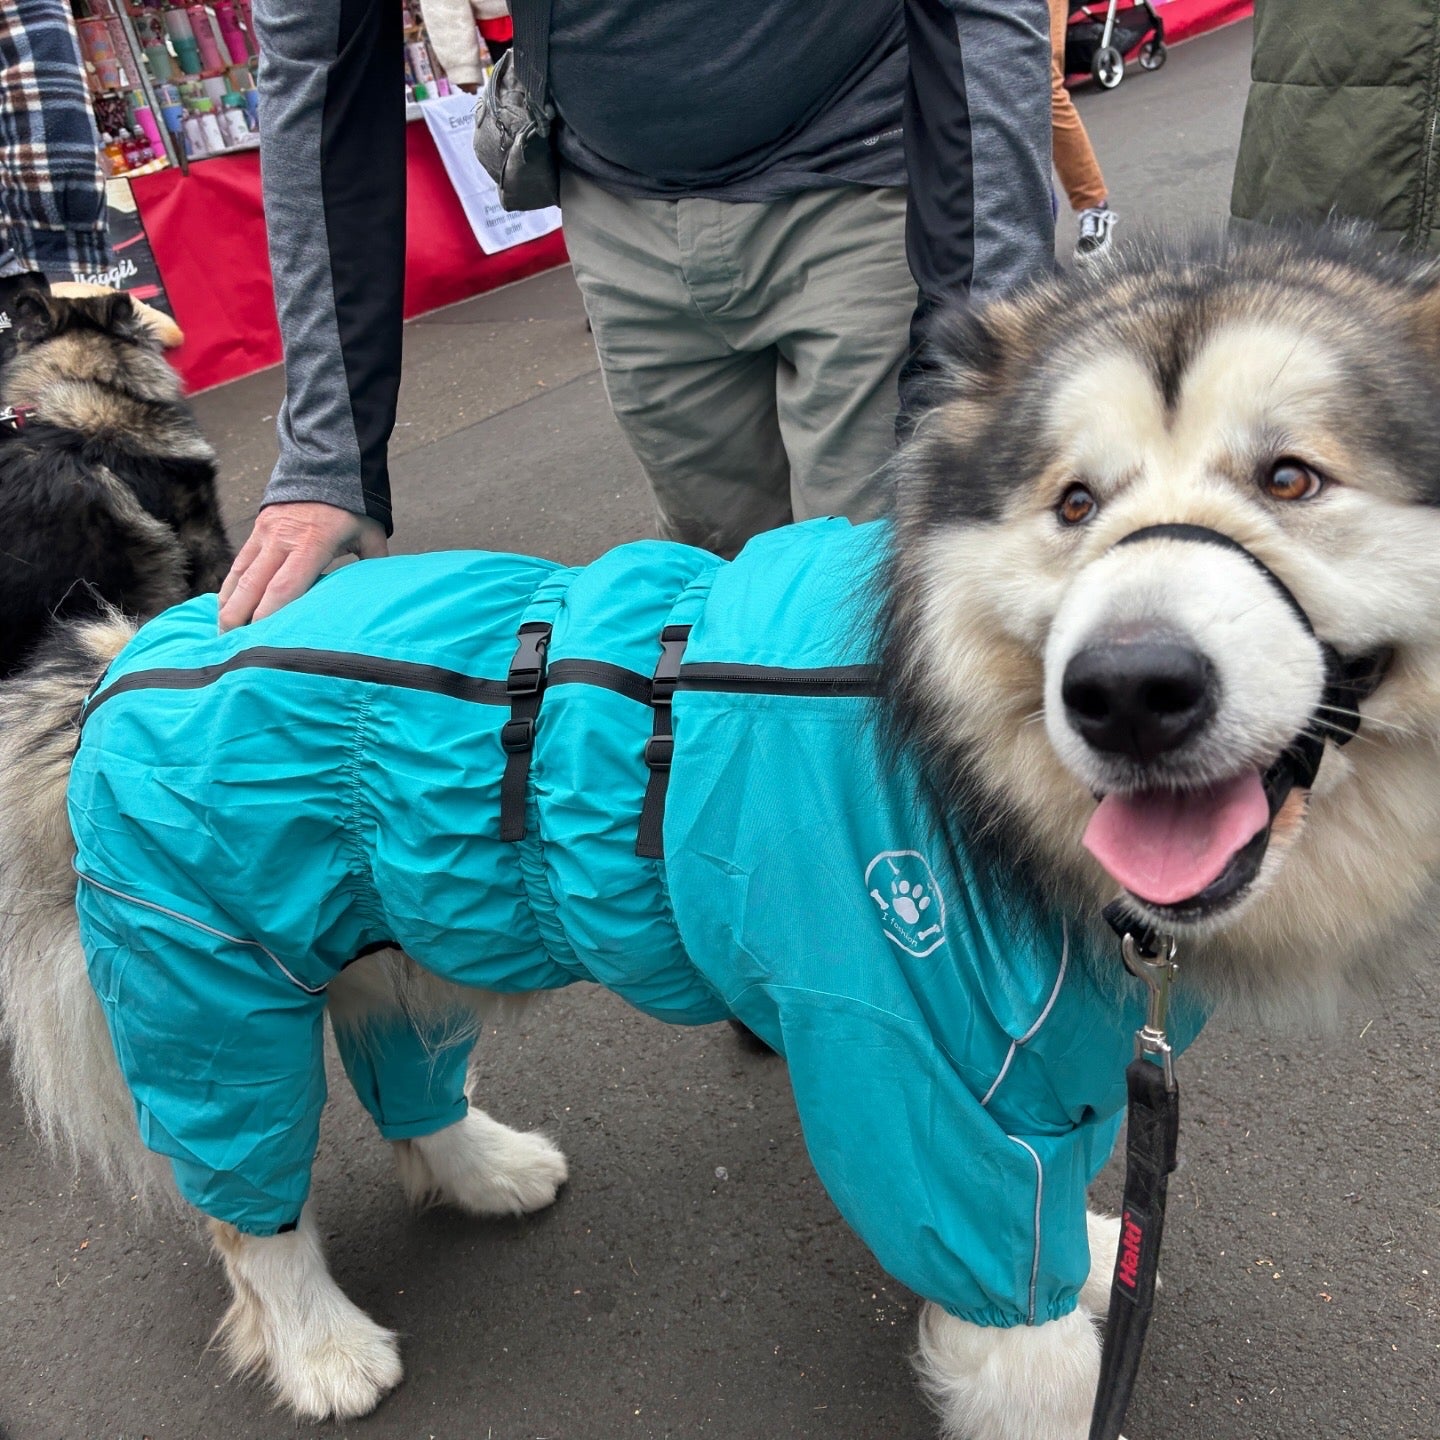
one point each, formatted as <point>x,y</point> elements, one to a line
<point>35,316</point>
<point>967,342</point>
<point>116,313</point>
<point>966,352</point>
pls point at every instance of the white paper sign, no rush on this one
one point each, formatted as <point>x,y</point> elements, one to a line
<point>451,119</point>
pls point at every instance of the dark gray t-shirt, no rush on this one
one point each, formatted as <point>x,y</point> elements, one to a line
<point>745,100</point>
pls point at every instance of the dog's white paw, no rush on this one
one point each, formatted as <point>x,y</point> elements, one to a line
<point>294,1328</point>
<point>343,1373</point>
<point>482,1167</point>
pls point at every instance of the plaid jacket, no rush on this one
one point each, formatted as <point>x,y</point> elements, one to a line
<point>52,189</point>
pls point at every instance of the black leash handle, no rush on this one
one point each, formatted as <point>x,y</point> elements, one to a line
<point>1152,1137</point>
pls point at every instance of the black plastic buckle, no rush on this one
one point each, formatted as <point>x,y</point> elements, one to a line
<point>659,751</point>
<point>527,669</point>
<point>517,736</point>
<point>667,670</point>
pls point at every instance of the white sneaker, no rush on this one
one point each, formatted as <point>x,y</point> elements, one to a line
<point>1097,226</point>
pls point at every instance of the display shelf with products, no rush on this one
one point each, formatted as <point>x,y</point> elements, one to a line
<point>175,75</point>
<point>170,83</point>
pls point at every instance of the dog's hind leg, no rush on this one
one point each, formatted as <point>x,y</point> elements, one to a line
<point>405,1040</point>
<point>482,1167</point>
<point>290,1323</point>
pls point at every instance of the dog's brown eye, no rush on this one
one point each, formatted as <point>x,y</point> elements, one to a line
<point>1076,506</point>
<point>1291,480</point>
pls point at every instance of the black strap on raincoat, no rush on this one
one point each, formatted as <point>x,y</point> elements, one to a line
<point>660,747</point>
<point>524,684</point>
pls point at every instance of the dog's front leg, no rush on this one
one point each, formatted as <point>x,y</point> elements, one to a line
<point>1030,1382</point>
<point>291,1324</point>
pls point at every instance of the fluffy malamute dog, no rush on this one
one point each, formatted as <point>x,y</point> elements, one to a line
<point>1168,531</point>
<point>107,487</point>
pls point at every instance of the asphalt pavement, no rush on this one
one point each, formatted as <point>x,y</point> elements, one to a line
<point>693,1280</point>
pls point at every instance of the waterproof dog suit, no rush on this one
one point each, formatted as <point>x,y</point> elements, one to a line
<point>254,810</point>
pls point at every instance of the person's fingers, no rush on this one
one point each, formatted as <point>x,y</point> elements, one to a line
<point>248,551</point>
<point>289,548</point>
<point>247,586</point>
<point>300,570</point>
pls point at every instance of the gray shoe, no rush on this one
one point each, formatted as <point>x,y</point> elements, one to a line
<point>1097,233</point>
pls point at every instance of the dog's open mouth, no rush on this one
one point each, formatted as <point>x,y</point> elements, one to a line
<point>1187,852</point>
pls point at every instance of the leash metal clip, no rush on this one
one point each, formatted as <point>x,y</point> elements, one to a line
<point>1158,971</point>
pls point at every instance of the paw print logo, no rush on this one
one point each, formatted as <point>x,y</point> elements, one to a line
<point>908,901</point>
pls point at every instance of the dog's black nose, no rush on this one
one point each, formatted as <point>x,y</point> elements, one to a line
<point>1138,698</point>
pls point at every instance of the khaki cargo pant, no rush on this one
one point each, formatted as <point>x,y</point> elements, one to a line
<point>750,351</point>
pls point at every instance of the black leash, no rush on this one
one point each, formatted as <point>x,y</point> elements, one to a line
<point>1153,1131</point>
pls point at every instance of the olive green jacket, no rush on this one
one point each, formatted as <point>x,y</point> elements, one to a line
<point>1341,119</point>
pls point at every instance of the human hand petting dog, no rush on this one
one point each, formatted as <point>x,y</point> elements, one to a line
<point>291,544</point>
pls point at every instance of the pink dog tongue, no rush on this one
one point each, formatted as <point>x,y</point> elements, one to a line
<point>1167,847</point>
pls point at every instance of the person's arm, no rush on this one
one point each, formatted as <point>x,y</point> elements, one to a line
<point>455,40</point>
<point>52,198</point>
<point>977,149</point>
<point>332,125</point>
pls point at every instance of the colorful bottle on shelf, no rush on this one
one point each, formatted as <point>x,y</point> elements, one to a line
<point>182,37</point>
<point>420,64</point>
<point>195,146</point>
<point>205,38</point>
<point>99,49</point>
<point>114,155</point>
<point>210,126</point>
<point>145,119</point>
<point>227,17</point>
<point>158,60</point>
<point>232,121</point>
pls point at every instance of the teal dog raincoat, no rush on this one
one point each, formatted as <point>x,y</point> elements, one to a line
<point>481,758</point>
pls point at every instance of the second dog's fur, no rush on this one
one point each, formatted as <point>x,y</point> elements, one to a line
<point>107,489</point>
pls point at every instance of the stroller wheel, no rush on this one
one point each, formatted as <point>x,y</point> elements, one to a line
<point>1153,54</point>
<point>1109,67</point>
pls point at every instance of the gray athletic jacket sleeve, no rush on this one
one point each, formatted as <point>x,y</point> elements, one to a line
<point>332,116</point>
<point>981,216</point>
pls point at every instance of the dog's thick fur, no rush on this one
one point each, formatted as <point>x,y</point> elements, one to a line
<point>107,495</point>
<point>1169,387</point>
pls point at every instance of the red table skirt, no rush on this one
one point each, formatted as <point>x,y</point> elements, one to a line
<point>1185,19</point>
<point>207,230</point>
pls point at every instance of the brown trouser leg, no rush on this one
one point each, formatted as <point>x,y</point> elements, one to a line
<point>1075,161</point>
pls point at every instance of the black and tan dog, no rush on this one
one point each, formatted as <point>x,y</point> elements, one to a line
<point>107,487</point>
